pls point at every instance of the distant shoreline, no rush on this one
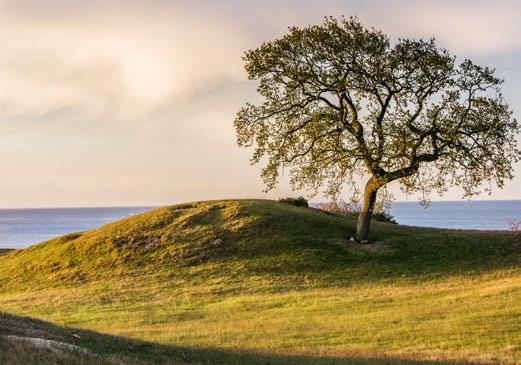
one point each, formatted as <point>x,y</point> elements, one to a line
<point>85,207</point>
<point>23,227</point>
<point>313,203</point>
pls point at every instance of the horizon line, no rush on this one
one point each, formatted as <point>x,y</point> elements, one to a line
<point>190,201</point>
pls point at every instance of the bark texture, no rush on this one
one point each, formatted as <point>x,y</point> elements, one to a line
<point>367,208</point>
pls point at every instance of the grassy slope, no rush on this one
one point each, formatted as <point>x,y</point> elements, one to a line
<point>4,251</point>
<point>282,281</point>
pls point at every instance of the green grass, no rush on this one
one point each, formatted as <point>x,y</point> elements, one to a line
<point>281,285</point>
<point>4,251</point>
<point>69,346</point>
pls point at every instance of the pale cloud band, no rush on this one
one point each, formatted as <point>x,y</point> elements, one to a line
<point>159,82</point>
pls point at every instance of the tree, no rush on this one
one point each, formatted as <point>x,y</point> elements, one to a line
<point>341,102</point>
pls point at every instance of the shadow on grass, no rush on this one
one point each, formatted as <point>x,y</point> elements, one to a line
<point>303,240</point>
<point>19,345</point>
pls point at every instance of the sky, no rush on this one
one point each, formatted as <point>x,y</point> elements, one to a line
<point>107,103</point>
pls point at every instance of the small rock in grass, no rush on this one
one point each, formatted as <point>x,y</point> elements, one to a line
<point>352,239</point>
<point>75,335</point>
<point>217,242</point>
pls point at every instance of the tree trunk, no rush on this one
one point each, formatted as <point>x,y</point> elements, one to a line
<point>366,210</point>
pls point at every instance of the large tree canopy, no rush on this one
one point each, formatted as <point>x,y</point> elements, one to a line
<point>341,101</point>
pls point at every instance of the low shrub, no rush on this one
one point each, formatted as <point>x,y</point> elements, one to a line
<point>384,216</point>
<point>514,224</point>
<point>381,212</point>
<point>340,207</point>
<point>298,202</point>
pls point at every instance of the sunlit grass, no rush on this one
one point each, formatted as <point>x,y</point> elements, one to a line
<point>282,281</point>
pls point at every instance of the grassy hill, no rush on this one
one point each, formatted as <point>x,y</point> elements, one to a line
<point>248,281</point>
<point>4,251</point>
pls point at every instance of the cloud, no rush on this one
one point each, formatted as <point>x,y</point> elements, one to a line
<point>126,59</point>
<point>141,94</point>
<point>121,69</point>
<point>462,26</point>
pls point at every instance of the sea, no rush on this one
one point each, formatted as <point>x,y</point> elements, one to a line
<point>21,228</point>
<point>477,214</point>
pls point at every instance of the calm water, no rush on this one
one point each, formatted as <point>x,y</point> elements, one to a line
<point>23,227</point>
<point>492,215</point>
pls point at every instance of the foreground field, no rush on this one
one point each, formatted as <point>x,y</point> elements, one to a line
<point>198,283</point>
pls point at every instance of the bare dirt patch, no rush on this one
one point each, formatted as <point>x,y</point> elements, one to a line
<point>378,246</point>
